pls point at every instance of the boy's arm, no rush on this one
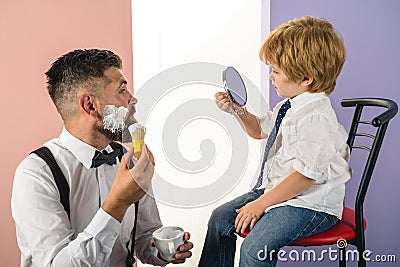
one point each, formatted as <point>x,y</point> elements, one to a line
<point>250,125</point>
<point>248,122</point>
<point>292,186</point>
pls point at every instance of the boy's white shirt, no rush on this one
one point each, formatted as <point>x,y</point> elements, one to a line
<point>312,142</point>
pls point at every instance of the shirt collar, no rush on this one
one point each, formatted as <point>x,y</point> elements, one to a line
<point>305,98</point>
<point>82,151</point>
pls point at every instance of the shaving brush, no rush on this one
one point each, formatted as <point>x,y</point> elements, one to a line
<point>138,132</point>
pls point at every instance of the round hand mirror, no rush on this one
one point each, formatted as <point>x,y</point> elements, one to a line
<point>235,89</point>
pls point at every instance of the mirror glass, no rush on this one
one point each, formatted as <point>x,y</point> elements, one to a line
<point>234,87</point>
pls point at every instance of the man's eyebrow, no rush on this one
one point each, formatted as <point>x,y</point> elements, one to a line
<point>123,82</point>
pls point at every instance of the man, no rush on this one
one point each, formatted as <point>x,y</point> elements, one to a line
<point>98,230</point>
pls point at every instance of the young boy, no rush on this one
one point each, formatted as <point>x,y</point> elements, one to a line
<point>301,186</point>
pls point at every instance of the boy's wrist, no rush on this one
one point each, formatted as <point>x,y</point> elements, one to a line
<point>238,111</point>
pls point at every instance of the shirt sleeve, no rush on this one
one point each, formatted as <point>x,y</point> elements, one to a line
<point>148,221</point>
<point>44,233</point>
<point>267,121</point>
<point>315,146</point>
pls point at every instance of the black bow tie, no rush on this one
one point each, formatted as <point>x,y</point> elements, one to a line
<point>100,158</point>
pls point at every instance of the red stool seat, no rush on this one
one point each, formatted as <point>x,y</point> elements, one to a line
<point>344,229</point>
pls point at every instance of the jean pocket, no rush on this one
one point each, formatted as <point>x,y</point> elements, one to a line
<point>333,219</point>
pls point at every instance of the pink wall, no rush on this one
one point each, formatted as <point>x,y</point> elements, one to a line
<point>32,35</point>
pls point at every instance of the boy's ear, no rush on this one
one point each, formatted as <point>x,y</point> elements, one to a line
<point>307,81</point>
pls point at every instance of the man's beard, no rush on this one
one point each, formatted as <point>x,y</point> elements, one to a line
<point>113,135</point>
<point>120,135</point>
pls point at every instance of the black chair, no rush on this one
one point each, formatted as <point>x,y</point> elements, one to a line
<point>352,226</point>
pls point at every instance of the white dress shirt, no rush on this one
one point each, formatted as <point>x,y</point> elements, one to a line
<point>45,235</point>
<point>312,142</point>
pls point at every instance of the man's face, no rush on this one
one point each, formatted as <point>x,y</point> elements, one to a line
<point>116,93</point>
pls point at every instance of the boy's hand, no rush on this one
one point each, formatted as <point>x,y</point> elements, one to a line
<point>223,102</point>
<point>248,215</point>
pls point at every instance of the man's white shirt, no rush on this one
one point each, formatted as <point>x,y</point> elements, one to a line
<point>91,237</point>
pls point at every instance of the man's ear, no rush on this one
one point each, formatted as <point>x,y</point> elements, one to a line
<point>86,104</point>
<point>307,81</point>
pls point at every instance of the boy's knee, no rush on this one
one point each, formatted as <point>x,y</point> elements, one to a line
<point>218,215</point>
<point>222,221</point>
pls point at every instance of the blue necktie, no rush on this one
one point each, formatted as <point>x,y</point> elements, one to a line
<point>271,139</point>
<point>100,158</point>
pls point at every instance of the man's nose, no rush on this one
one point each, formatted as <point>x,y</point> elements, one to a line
<point>133,101</point>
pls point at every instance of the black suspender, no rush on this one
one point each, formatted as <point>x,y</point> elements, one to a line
<point>63,187</point>
<point>59,177</point>
<point>130,260</point>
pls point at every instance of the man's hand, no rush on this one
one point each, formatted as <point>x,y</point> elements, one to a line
<point>129,185</point>
<point>143,170</point>
<point>183,250</point>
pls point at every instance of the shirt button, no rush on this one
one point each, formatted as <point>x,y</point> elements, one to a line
<point>115,234</point>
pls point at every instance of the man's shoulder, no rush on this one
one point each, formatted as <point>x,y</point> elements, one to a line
<point>33,180</point>
<point>34,163</point>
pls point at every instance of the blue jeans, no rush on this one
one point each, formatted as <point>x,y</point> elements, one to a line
<point>275,229</point>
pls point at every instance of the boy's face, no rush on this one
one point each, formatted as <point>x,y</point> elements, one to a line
<point>284,86</point>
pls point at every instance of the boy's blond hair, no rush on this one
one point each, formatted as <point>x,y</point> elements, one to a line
<point>306,47</point>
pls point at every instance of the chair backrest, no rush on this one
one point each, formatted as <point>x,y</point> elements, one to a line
<point>379,125</point>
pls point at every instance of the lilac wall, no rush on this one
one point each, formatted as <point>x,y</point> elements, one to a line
<point>371,32</point>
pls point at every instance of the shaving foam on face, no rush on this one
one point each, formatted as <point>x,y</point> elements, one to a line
<point>114,118</point>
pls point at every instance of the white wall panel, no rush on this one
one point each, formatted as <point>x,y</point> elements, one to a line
<point>170,33</point>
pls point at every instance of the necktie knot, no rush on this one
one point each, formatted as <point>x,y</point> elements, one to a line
<point>100,158</point>
<point>285,106</point>
<point>281,113</point>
